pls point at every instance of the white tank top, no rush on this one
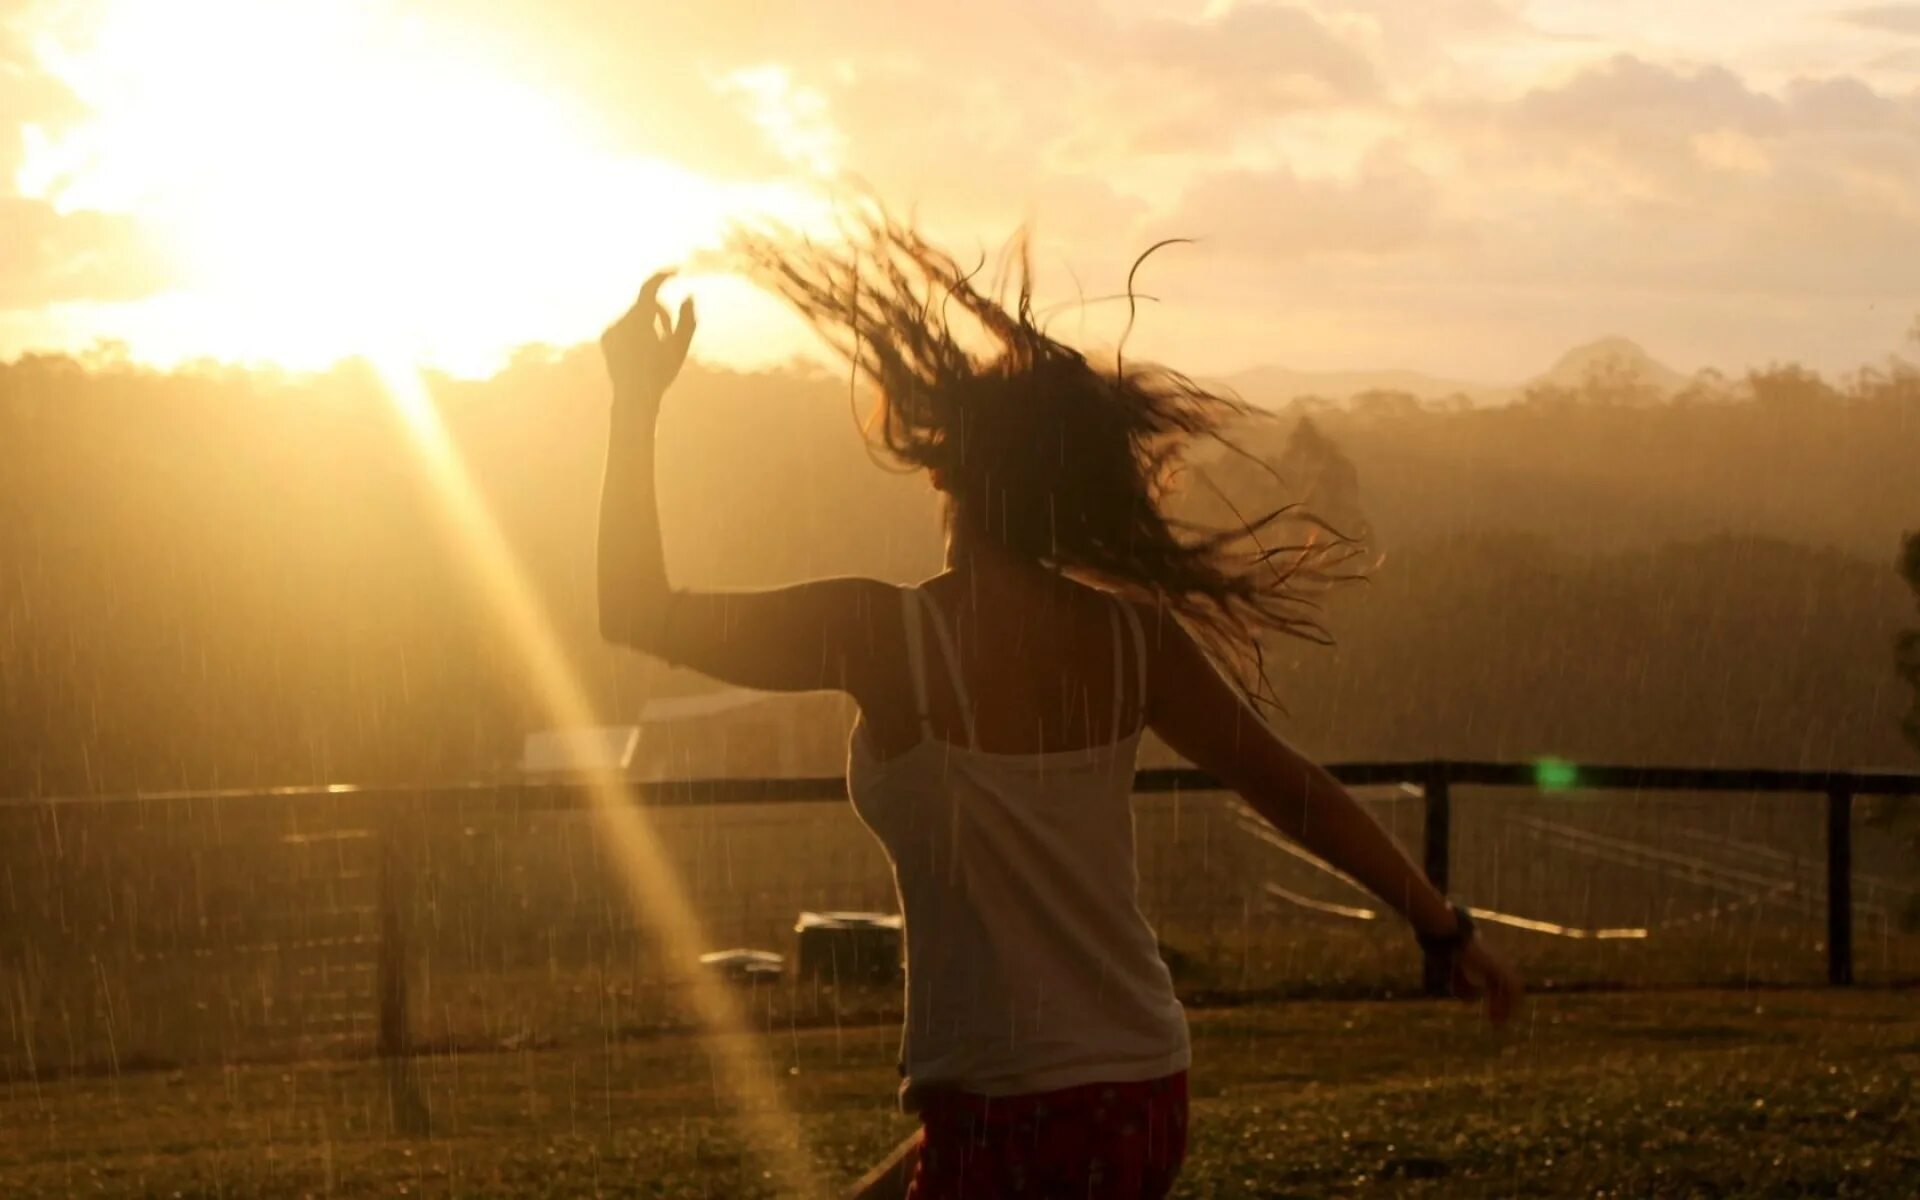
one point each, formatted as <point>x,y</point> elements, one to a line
<point>1029,964</point>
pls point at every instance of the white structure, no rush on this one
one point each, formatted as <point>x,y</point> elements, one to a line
<point>724,733</point>
<point>583,749</point>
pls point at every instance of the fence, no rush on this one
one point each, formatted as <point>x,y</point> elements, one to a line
<point>160,930</point>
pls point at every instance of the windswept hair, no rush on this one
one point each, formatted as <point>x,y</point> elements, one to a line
<point>1062,461</point>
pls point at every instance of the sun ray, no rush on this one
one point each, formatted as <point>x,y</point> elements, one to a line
<point>652,884</point>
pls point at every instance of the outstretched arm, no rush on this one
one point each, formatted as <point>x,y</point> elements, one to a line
<point>808,636</point>
<point>1203,717</point>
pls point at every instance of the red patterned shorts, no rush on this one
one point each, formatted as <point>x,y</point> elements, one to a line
<point>1101,1141</point>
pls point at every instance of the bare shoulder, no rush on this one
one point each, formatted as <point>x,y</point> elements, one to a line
<point>867,610</point>
<point>1177,663</point>
<point>860,591</point>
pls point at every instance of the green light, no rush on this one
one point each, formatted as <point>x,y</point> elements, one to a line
<point>1554,774</point>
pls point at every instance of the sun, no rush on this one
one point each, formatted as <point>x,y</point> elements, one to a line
<point>335,179</point>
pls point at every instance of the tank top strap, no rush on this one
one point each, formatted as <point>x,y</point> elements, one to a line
<point>916,656</point>
<point>1139,651</point>
<point>1123,611</point>
<point>952,659</point>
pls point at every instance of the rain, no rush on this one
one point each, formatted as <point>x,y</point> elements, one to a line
<point>385,811</point>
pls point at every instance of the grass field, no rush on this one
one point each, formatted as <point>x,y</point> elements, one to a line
<point>1698,1093</point>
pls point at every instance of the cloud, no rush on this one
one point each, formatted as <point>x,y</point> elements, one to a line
<point>1386,208</point>
<point>1904,60</point>
<point>1275,56</point>
<point>1123,84</point>
<point>1886,18</point>
<point>1415,40</point>
<point>1194,89</point>
<point>1636,174</point>
<point>28,97</point>
<point>1628,99</point>
<point>48,257</point>
<point>1848,105</point>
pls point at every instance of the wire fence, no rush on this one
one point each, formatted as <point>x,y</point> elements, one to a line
<point>159,931</point>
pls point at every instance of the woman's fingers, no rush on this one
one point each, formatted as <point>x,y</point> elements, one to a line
<point>646,306</point>
<point>1503,991</point>
<point>645,347</point>
<point>1478,973</point>
<point>683,333</point>
<point>650,290</point>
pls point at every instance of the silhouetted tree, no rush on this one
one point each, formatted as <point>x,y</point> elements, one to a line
<point>1790,386</point>
<point>1615,380</point>
<point>1545,396</point>
<point>1384,404</point>
<point>1325,479</point>
<point>1708,386</point>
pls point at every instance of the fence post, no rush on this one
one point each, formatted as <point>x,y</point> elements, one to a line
<point>1840,886</point>
<point>391,966</point>
<point>395,1043</point>
<point>1437,971</point>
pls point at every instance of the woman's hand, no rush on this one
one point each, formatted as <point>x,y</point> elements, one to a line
<point>1478,970</point>
<point>644,349</point>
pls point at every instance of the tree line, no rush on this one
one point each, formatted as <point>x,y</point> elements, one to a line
<point>220,577</point>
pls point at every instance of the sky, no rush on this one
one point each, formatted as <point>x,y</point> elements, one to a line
<point>1464,187</point>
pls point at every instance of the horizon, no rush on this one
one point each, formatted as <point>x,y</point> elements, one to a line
<point>106,352</point>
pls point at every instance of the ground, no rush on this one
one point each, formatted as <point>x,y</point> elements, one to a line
<point>1700,1093</point>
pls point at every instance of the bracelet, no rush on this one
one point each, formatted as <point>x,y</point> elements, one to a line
<point>1448,943</point>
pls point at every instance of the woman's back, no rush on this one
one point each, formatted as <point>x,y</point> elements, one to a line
<point>1043,659</point>
<point>1029,964</point>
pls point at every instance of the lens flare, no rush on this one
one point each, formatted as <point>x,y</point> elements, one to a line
<point>1555,774</point>
<point>652,884</point>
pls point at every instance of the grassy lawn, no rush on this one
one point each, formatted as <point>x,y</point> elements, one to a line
<point>1760,1093</point>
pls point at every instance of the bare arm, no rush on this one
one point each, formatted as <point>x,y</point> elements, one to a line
<point>814,635</point>
<point>1197,712</point>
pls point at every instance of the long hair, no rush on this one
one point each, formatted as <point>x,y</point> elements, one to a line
<point>1061,461</point>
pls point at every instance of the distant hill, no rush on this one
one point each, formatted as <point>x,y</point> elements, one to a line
<point>1615,359</point>
<point>1274,386</point>
<point>1618,360</point>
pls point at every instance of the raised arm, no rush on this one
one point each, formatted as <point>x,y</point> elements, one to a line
<point>808,636</point>
<point>1197,712</point>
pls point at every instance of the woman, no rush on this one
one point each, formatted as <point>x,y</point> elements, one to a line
<point>1001,704</point>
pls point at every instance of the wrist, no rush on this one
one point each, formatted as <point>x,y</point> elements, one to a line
<point>634,413</point>
<point>634,395</point>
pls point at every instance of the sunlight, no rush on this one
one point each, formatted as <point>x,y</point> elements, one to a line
<point>653,885</point>
<point>432,201</point>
